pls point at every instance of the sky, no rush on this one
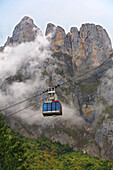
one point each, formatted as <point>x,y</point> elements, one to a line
<point>65,13</point>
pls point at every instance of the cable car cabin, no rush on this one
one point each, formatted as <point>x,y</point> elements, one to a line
<point>52,108</point>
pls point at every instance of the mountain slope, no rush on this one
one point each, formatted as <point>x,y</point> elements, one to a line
<point>19,152</point>
<point>81,62</point>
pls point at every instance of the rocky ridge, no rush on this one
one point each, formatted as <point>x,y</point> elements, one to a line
<point>88,47</point>
<point>82,59</point>
<point>25,31</point>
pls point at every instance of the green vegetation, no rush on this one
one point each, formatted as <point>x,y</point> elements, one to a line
<point>12,149</point>
<point>109,110</point>
<point>18,152</point>
<point>103,101</point>
<point>89,87</point>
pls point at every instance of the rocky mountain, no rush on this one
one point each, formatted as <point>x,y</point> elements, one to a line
<point>25,31</point>
<point>88,47</point>
<point>82,61</point>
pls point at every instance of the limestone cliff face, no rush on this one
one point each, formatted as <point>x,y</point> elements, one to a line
<point>60,42</point>
<point>86,48</point>
<point>71,54</point>
<point>90,46</point>
<point>25,31</point>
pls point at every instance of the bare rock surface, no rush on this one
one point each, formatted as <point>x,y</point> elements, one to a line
<point>79,60</point>
<point>25,31</point>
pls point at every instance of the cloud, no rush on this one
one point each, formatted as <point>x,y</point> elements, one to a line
<point>12,58</point>
<point>25,59</point>
<point>30,59</point>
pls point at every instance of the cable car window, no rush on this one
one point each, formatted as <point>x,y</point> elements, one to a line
<point>49,106</point>
<point>57,106</point>
<point>44,107</point>
<point>53,106</point>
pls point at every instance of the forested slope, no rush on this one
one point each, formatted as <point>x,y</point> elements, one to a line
<point>19,152</point>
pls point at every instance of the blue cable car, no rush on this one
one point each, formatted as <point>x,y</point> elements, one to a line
<point>52,107</point>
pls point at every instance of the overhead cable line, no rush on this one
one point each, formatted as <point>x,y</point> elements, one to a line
<point>26,99</point>
<point>57,86</point>
<point>18,111</point>
<point>22,109</point>
<point>23,101</point>
<point>93,69</point>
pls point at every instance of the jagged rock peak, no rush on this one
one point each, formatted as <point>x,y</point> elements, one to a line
<point>90,46</point>
<point>25,31</point>
<point>73,29</point>
<point>28,19</point>
<point>50,28</point>
<point>59,28</point>
<point>56,35</point>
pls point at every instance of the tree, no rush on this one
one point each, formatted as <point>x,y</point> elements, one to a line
<point>12,150</point>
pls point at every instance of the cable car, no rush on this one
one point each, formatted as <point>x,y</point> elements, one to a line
<point>52,107</point>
